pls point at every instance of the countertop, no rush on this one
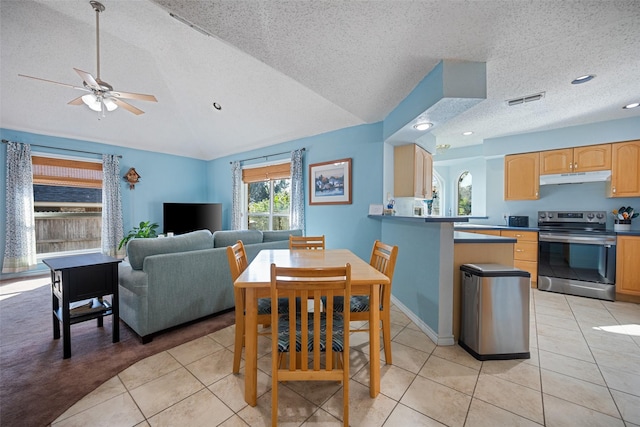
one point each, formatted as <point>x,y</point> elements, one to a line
<point>462,237</point>
<point>421,219</point>
<point>463,227</point>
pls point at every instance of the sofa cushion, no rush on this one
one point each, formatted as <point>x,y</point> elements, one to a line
<point>139,249</point>
<point>274,236</point>
<point>225,238</point>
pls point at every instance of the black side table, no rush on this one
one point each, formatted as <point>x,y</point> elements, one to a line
<point>80,277</point>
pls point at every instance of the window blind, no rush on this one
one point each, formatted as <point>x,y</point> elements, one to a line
<point>266,173</point>
<point>65,172</point>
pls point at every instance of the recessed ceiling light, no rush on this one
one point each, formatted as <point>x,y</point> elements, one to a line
<point>582,79</point>
<point>632,105</point>
<point>422,126</point>
<point>467,133</point>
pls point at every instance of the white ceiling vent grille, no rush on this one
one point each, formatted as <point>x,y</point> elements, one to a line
<point>525,99</point>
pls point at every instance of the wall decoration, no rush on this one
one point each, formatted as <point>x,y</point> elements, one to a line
<point>330,183</point>
<point>132,177</point>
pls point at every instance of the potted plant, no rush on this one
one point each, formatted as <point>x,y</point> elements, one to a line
<point>145,230</point>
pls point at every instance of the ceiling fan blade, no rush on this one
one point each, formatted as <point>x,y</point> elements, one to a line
<point>131,95</point>
<point>77,101</point>
<point>88,79</point>
<point>127,106</point>
<point>57,83</point>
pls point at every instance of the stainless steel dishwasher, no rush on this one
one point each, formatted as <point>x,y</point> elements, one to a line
<point>495,311</point>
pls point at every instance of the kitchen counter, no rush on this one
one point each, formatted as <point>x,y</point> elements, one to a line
<point>462,237</point>
<point>462,227</point>
<point>627,233</point>
<point>421,219</point>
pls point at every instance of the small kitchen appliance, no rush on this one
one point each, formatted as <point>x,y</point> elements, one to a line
<point>518,221</point>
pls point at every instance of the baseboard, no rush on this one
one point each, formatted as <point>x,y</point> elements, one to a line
<point>433,335</point>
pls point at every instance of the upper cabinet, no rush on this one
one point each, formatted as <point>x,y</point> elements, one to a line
<point>412,172</point>
<point>578,159</point>
<point>625,169</point>
<point>522,176</point>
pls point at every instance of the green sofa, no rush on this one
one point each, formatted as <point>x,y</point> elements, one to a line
<point>165,282</point>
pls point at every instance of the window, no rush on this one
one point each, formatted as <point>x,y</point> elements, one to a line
<point>464,193</point>
<point>67,204</point>
<point>437,195</point>
<point>268,197</point>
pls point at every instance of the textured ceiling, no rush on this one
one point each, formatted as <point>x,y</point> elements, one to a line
<point>288,69</point>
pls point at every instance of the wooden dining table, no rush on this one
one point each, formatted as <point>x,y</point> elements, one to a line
<point>256,281</point>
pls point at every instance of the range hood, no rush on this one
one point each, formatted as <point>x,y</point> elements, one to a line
<point>575,178</point>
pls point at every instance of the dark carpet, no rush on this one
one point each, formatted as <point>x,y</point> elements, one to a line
<point>37,385</point>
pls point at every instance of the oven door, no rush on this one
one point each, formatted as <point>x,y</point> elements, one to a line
<point>577,264</point>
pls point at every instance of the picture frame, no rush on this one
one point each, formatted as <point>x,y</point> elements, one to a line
<point>330,183</point>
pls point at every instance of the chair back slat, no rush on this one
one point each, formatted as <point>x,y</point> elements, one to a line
<point>237,257</point>
<point>316,328</point>
<point>306,242</point>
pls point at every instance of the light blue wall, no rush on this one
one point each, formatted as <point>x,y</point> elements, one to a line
<point>345,226</point>
<point>416,281</point>
<point>165,178</point>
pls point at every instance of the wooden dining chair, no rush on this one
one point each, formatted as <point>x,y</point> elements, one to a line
<point>383,259</point>
<point>306,242</point>
<point>237,257</point>
<point>317,332</point>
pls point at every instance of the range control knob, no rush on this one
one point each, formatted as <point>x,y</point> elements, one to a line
<point>590,215</point>
<point>550,215</point>
<point>600,215</point>
<point>543,215</point>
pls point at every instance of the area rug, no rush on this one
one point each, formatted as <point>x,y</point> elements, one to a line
<point>37,385</point>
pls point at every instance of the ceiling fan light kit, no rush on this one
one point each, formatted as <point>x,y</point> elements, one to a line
<point>101,96</point>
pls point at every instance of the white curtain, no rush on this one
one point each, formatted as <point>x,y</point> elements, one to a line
<point>20,247</point>
<point>236,188</point>
<point>297,191</point>
<point>112,228</point>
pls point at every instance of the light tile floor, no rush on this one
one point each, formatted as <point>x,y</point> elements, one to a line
<point>584,371</point>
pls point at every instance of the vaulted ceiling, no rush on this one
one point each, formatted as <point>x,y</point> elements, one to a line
<point>283,70</point>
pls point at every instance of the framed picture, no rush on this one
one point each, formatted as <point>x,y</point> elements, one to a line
<point>330,183</point>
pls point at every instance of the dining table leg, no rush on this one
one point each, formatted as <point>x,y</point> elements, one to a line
<point>251,348</point>
<point>374,341</point>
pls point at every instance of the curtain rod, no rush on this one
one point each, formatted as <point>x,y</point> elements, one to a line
<point>4,141</point>
<point>265,157</point>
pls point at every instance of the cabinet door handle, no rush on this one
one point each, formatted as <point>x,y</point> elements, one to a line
<point>570,165</point>
<point>614,189</point>
<point>519,250</point>
<point>575,166</point>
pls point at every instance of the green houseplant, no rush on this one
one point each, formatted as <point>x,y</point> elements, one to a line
<point>145,230</point>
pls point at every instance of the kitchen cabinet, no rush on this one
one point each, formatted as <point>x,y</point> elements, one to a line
<point>412,172</point>
<point>578,159</point>
<point>522,176</point>
<point>625,169</point>
<point>627,266</point>
<point>525,252</point>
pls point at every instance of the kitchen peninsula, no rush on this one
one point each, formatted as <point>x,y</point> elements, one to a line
<point>428,268</point>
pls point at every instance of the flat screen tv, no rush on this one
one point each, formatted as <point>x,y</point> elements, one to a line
<point>182,218</point>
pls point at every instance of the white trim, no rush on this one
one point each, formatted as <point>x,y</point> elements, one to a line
<point>433,336</point>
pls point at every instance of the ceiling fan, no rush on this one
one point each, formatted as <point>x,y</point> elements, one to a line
<point>101,96</point>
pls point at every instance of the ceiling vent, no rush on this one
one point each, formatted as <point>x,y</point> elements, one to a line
<point>525,99</point>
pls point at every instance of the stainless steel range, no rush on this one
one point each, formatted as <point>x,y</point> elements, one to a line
<point>576,254</point>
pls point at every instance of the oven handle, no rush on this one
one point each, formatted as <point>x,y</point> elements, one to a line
<point>587,240</point>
